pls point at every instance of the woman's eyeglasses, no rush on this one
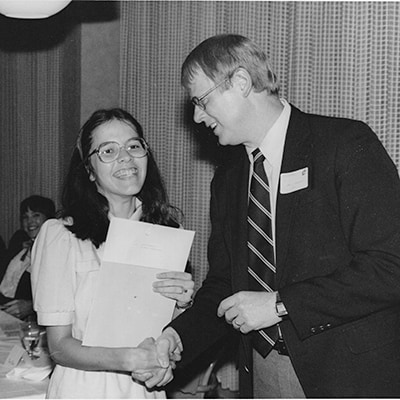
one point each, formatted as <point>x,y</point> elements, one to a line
<point>110,151</point>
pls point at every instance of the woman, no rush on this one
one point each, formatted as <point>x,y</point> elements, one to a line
<point>112,174</point>
<point>15,287</point>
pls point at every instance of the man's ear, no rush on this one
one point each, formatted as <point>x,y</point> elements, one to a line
<point>243,79</point>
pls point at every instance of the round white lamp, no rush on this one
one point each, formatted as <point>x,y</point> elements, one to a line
<point>32,9</point>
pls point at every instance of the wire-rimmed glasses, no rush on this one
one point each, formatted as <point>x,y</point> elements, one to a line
<point>198,101</point>
<point>110,151</point>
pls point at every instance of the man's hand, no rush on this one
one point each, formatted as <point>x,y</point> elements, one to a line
<point>175,285</point>
<point>169,348</point>
<point>249,311</point>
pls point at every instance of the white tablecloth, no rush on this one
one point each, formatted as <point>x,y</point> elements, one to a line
<point>16,386</point>
<point>22,389</point>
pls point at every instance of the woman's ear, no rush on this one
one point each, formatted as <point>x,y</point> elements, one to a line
<point>89,171</point>
<point>243,79</point>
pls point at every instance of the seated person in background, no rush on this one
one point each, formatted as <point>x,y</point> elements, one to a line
<point>112,173</point>
<point>15,287</point>
<point>19,240</point>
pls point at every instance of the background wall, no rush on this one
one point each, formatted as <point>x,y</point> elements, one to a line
<point>100,57</point>
<point>53,74</point>
<point>39,92</point>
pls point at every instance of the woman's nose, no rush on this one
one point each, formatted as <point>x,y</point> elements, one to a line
<point>124,154</point>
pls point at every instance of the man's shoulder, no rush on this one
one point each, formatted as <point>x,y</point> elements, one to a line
<point>326,121</point>
<point>329,129</point>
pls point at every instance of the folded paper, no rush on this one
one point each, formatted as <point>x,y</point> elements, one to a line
<point>125,308</point>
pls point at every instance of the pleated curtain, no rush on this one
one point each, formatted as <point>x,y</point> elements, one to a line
<point>334,58</point>
<point>30,141</point>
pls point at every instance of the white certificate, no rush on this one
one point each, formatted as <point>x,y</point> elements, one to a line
<point>125,309</point>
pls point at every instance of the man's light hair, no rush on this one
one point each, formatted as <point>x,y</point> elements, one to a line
<point>221,55</point>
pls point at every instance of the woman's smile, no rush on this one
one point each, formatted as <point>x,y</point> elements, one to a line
<point>126,173</point>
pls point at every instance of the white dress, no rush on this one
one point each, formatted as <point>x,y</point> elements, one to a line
<point>64,274</point>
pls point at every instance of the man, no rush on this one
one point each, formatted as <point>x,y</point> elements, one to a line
<point>333,303</point>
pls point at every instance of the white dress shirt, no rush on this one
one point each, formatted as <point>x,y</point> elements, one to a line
<point>272,148</point>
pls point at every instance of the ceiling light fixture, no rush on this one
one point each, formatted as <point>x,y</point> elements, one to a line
<point>32,9</point>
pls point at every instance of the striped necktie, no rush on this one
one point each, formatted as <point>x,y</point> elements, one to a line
<point>261,258</point>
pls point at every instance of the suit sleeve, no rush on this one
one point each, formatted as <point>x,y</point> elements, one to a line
<point>200,327</point>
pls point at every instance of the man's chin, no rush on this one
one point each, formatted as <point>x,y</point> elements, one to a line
<point>223,142</point>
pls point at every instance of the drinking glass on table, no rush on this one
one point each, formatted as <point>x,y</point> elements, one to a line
<point>30,337</point>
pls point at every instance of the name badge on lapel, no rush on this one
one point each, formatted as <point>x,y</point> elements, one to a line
<point>294,181</point>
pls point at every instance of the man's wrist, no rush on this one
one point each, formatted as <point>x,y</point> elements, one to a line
<point>280,308</point>
<point>185,306</point>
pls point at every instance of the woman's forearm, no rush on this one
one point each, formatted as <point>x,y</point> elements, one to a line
<point>69,352</point>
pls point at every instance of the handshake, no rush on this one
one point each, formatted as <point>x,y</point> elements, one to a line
<point>157,359</point>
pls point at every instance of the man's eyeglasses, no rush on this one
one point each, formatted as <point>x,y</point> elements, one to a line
<point>110,151</point>
<point>198,101</point>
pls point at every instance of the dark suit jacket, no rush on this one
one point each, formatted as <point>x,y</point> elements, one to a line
<point>338,261</point>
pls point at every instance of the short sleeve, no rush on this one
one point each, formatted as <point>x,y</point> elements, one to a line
<point>52,274</point>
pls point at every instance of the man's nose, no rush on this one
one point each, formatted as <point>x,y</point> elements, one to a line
<point>198,115</point>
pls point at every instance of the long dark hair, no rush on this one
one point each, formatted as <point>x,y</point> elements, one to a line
<point>87,207</point>
<point>37,203</point>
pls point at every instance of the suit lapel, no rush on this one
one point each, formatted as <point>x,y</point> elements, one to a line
<point>296,156</point>
<point>236,184</point>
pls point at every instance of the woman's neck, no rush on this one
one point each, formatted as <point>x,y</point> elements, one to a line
<point>123,208</point>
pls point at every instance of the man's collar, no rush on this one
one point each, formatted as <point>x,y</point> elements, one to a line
<point>274,135</point>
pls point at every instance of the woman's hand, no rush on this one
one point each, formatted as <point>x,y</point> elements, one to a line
<point>148,358</point>
<point>158,376</point>
<point>18,308</point>
<point>175,285</point>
